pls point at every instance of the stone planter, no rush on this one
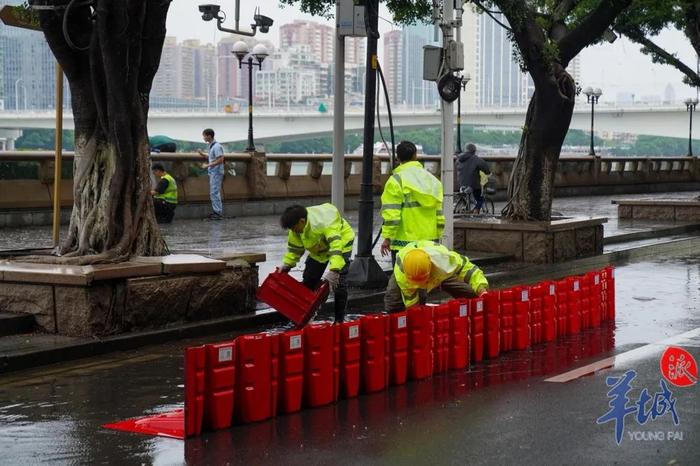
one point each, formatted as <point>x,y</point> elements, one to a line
<point>670,210</point>
<point>560,240</point>
<point>144,293</point>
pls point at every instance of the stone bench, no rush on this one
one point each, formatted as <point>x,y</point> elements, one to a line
<point>671,210</point>
<point>145,292</point>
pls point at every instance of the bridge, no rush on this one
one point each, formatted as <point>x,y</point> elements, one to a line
<point>670,121</point>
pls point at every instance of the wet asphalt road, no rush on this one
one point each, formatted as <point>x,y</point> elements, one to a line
<point>499,412</point>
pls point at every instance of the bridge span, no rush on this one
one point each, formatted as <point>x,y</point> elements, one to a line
<point>670,121</point>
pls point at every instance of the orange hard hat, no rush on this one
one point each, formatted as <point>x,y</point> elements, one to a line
<point>417,265</point>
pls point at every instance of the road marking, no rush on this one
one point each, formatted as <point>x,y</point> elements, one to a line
<point>626,357</point>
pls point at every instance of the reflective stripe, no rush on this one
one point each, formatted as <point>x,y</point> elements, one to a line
<point>391,206</point>
<point>333,238</point>
<point>411,204</point>
<point>335,253</point>
<point>398,242</point>
<point>392,222</point>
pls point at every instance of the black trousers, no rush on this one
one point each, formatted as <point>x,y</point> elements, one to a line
<point>165,211</point>
<point>313,273</point>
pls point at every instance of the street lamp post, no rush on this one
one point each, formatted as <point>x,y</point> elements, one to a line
<point>592,96</point>
<point>240,49</point>
<point>463,80</point>
<point>690,107</point>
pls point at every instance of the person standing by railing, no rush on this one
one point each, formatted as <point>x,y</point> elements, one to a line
<point>215,169</point>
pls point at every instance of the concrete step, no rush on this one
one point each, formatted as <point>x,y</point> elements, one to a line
<point>13,324</point>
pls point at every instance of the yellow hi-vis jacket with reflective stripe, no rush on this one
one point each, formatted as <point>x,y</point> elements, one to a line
<point>327,236</point>
<point>170,194</point>
<point>446,264</point>
<point>412,206</point>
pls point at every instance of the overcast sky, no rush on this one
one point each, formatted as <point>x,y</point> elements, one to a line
<point>617,67</point>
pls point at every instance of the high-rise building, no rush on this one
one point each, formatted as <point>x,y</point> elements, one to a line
<point>355,50</point>
<point>416,91</point>
<point>496,78</point>
<point>318,37</point>
<point>166,81</point>
<point>392,66</point>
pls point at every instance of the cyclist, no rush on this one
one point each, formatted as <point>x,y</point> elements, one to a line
<point>469,170</point>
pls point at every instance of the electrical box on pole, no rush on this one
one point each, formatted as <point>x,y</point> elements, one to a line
<point>432,61</point>
<point>351,18</point>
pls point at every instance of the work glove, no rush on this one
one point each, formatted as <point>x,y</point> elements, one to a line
<point>284,268</point>
<point>482,291</point>
<point>333,279</point>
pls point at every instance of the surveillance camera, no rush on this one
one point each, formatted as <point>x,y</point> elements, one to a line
<point>209,11</point>
<point>263,22</point>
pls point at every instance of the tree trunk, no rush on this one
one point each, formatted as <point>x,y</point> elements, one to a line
<point>531,184</point>
<point>110,58</point>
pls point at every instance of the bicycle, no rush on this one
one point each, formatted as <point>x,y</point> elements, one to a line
<point>465,202</point>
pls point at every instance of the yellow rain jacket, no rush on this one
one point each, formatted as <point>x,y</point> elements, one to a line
<point>412,206</point>
<point>327,236</point>
<point>446,264</point>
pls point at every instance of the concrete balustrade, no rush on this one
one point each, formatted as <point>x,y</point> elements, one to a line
<point>260,176</point>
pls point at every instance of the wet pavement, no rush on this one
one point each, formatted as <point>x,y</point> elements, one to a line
<point>501,412</point>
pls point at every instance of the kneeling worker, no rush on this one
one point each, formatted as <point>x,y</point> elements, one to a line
<point>165,195</point>
<point>328,238</point>
<point>422,266</point>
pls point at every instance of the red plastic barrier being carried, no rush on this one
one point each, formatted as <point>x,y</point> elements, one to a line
<point>420,342</point>
<point>290,298</point>
<point>350,358</point>
<point>257,361</point>
<point>398,351</point>
<point>522,318</point>
<point>219,386</point>
<point>492,311</point>
<point>459,334</point>
<point>441,338</point>
<point>476,307</point>
<point>291,377</point>
<point>507,303</point>
<point>319,364</point>
<point>375,346</point>
<point>195,366</point>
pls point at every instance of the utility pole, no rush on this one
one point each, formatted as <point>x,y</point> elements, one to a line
<point>447,159</point>
<point>338,178</point>
<point>364,270</point>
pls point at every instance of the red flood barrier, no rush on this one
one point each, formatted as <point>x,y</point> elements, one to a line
<point>536,313</point>
<point>596,307</point>
<point>562,307</point>
<point>195,366</point>
<point>549,316</point>
<point>522,318</point>
<point>459,334</point>
<point>398,348</point>
<point>375,346</point>
<point>492,310</point>
<point>320,367</point>
<point>420,342</point>
<point>219,385</point>
<point>476,308</point>
<point>441,337</point>
<point>507,303</point>
<point>574,291</point>
<point>291,376</point>
<point>290,298</point>
<point>609,286</point>
<point>256,382</point>
<point>350,358</point>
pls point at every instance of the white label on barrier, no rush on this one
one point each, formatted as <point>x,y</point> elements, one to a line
<point>576,287</point>
<point>401,323</point>
<point>354,331</point>
<point>596,279</point>
<point>551,289</point>
<point>463,310</point>
<point>295,342</point>
<point>524,296</point>
<point>479,306</point>
<point>225,354</point>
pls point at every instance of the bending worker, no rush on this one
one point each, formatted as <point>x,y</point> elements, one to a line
<point>328,238</point>
<point>165,195</point>
<point>423,266</point>
<point>411,203</point>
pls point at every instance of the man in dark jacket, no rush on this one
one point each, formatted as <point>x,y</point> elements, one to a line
<point>469,165</point>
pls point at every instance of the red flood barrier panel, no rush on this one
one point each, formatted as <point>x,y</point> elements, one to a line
<point>375,346</point>
<point>441,338</point>
<point>522,318</point>
<point>574,319</point>
<point>420,342</point>
<point>256,382</point>
<point>609,286</point>
<point>219,385</point>
<point>507,304</point>
<point>492,310</point>
<point>195,366</point>
<point>399,348</point>
<point>290,298</point>
<point>596,307</point>
<point>549,317</point>
<point>291,376</point>
<point>459,334</point>
<point>476,308</point>
<point>562,307</point>
<point>350,358</point>
<point>319,364</point>
<point>536,313</point>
